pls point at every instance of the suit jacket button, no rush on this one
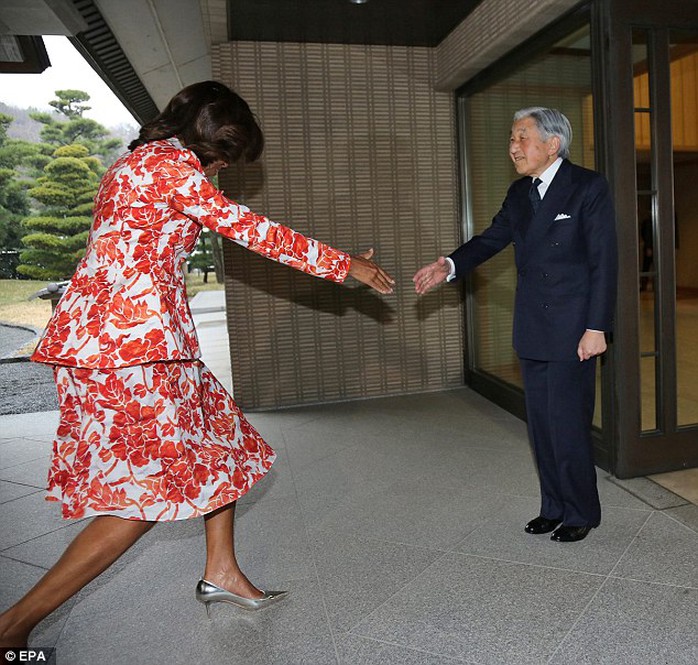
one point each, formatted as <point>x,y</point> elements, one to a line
<point>545,305</point>
<point>544,275</point>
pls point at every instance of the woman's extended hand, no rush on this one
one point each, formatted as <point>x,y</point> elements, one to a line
<point>426,278</point>
<point>367,272</point>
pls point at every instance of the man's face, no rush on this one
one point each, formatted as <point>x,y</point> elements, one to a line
<point>530,154</point>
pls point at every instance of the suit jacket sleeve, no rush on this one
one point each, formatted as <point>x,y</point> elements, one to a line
<point>485,245</point>
<point>602,254</point>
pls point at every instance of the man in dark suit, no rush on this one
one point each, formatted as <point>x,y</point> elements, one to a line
<point>560,218</point>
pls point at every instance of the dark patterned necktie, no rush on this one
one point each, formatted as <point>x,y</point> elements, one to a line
<point>534,195</point>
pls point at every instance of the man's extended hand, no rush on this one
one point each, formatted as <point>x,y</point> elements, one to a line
<point>429,276</point>
<point>592,344</point>
<point>366,271</point>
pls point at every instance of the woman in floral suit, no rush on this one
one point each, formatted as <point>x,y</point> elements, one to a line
<point>146,432</point>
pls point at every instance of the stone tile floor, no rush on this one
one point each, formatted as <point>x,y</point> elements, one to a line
<point>397,525</point>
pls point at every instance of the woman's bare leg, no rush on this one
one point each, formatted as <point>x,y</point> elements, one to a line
<point>92,551</point>
<point>221,565</point>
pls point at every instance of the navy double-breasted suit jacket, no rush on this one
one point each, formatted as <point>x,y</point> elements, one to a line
<point>566,259</point>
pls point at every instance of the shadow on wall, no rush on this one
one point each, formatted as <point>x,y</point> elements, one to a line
<point>432,303</point>
<point>283,282</point>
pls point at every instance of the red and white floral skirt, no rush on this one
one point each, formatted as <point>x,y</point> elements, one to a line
<point>162,441</point>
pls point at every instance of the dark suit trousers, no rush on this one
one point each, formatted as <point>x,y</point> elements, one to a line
<point>560,407</point>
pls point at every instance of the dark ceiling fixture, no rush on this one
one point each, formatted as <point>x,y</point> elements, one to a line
<point>378,22</point>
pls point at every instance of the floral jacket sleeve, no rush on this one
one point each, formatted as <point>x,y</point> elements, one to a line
<point>191,193</point>
<point>126,303</point>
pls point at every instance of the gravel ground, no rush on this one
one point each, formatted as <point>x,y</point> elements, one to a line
<point>25,387</point>
<point>13,338</point>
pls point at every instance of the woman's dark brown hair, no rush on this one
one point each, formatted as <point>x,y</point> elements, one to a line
<point>211,120</point>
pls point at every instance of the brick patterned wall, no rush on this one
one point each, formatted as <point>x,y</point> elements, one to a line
<point>360,151</point>
<point>491,31</point>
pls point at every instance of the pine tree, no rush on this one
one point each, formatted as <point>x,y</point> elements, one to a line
<point>65,191</point>
<point>56,239</point>
<point>76,129</point>
<point>14,204</point>
<point>71,103</point>
<point>202,258</point>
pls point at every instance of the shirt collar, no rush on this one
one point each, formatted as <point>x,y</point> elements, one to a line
<point>549,173</point>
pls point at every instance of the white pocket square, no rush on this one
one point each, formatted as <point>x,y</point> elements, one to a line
<point>562,215</point>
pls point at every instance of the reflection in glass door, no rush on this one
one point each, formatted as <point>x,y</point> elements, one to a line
<point>559,76</point>
<point>683,49</point>
<point>670,231</point>
<point>649,314</point>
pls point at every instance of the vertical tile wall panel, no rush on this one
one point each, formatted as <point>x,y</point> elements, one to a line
<point>360,152</point>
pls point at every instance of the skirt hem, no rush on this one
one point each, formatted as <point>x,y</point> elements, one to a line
<point>179,512</point>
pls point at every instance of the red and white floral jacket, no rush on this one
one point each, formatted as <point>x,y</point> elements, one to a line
<point>126,303</point>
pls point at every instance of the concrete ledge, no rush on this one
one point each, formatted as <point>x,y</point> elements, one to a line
<point>207,302</point>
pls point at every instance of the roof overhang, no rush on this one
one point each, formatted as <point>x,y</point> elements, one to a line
<point>144,50</point>
<point>147,50</point>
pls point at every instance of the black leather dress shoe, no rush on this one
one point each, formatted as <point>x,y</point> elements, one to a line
<point>541,525</point>
<point>570,534</point>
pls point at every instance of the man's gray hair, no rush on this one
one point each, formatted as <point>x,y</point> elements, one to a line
<point>550,122</point>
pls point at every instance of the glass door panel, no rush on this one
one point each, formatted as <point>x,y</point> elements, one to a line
<point>648,394</point>
<point>559,77</point>
<point>683,67</point>
<point>643,112</point>
<point>652,129</point>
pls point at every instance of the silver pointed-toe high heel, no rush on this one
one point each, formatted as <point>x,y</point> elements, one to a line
<point>208,593</point>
